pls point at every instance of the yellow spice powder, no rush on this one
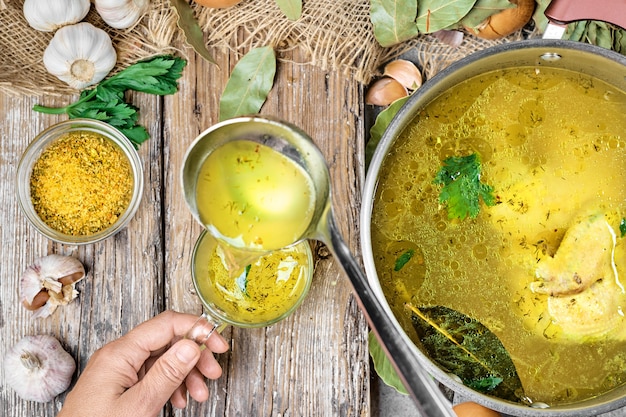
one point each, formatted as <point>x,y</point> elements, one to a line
<point>81,183</point>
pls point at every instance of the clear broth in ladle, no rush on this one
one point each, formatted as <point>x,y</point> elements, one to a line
<point>253,199</point>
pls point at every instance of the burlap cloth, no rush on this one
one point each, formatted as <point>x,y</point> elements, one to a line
<point>335,35</point>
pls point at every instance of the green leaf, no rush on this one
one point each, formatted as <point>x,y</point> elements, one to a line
<point>463,346</point>
<point>539,17</point>
<point>136,134</point>
<point>188,23</point>
<point>434,15</point>
<point>383,366</point>
<point>242,280</point>
<point>403,259</point>
<point>393,20</point>
<point>622,227</point>
<point>249,84</point>
<point>462,189</point>
<point>291,8</point>
<point>382,121</point>
<point>158,76</point>
<point>482,10</point>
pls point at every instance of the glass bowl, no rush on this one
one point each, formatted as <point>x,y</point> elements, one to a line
<point>254,299</point>
<point>44,141</point>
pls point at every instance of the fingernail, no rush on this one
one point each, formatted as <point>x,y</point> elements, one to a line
<point>186,353</point>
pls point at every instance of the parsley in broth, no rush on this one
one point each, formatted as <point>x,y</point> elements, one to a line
<point>462,189</point>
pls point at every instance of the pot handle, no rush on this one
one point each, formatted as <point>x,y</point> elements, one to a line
<point>563,12</point>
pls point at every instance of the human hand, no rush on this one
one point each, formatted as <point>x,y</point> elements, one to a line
<point>137,373</point>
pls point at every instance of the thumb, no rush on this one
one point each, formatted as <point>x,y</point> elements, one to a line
<point>165,375</point>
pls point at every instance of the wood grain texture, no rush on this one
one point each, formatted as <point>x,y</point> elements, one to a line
<point>314,363</point>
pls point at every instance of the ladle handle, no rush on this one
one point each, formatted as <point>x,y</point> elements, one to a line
<point>427,396</point>
<point>563,12</point>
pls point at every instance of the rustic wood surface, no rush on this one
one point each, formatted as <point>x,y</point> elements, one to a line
<point>314,363</point>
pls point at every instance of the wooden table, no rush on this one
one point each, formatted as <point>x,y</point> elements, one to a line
<point>314,363</point>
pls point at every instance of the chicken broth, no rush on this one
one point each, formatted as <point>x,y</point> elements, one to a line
<point>541,268</point>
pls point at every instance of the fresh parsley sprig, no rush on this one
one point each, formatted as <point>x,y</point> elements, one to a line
<point>158,75</point>
<point>462,188</point>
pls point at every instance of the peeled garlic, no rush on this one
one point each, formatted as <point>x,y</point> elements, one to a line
<point>49,282</point>
<point>38,368</point>
<point>80,55</point>
<point>49,15</point>
<point>121,14</point>
<point>405,72</point>
<point>385,91</point>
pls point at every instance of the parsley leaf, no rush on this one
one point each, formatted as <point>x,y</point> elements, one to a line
<point>462,189</point>
<point>403,259</point>
<point>622,227</point>
<point>158,75</point>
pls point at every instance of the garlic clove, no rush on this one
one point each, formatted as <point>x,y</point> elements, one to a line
<point>405,72</point>
<point>50,282</point>
<point>49,15</point>
<point>121,14</point>
<point>38,368</point>
<point>80,55</point>
<point>385,91</point>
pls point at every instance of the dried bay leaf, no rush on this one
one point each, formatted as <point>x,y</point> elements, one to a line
<point>378,129</point>
<point>188,23</point>
<point>383,366</point>
<point>482,10</point>
<point>434,15</point>
<point>466,348</point>
<point>291,8</point>
<point>393,20</point>
<point>249,83</point>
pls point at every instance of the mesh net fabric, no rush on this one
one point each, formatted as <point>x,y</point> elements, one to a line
<point>333,35</point>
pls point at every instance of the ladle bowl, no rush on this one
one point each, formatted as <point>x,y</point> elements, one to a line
<point>296,145</point>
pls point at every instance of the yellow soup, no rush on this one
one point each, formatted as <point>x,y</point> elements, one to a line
<point>266,291</point>
<point>253,197</point>
<point>542,268</point>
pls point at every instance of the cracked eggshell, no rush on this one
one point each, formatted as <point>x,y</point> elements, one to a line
<point>49,282</point>
<point>38,368</point>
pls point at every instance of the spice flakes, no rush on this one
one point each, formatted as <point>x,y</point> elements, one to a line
<point>81,184</point>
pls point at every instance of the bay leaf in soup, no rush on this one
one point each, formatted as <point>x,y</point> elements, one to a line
<point>393,20</point>
<point>249,83</point>
<point>434,15</point>
<point>466,348</point>
<point>291,8</point>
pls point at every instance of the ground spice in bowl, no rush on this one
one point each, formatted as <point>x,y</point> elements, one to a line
<point>81,183</point>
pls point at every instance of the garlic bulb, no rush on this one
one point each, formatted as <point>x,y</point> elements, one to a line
<point>385,91</point>
<point>49,15</point>
<point>80,55</point>
<point>49,282</point>
<point>38,368</point>
<point>121,14</point>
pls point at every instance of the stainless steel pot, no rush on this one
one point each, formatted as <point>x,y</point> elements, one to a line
<point>583,58</point>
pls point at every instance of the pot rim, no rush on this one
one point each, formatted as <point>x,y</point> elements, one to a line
<point>428,91</point>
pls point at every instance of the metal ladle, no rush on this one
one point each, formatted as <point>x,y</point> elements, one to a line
<point>298,146</point>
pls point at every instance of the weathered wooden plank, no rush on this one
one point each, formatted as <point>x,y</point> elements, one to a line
<point>124,283</point>
<point>314,363</point>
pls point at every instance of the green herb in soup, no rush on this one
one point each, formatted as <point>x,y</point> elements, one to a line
<point>542,269</point>
<point>468,349</point>
<point>462,189</point>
